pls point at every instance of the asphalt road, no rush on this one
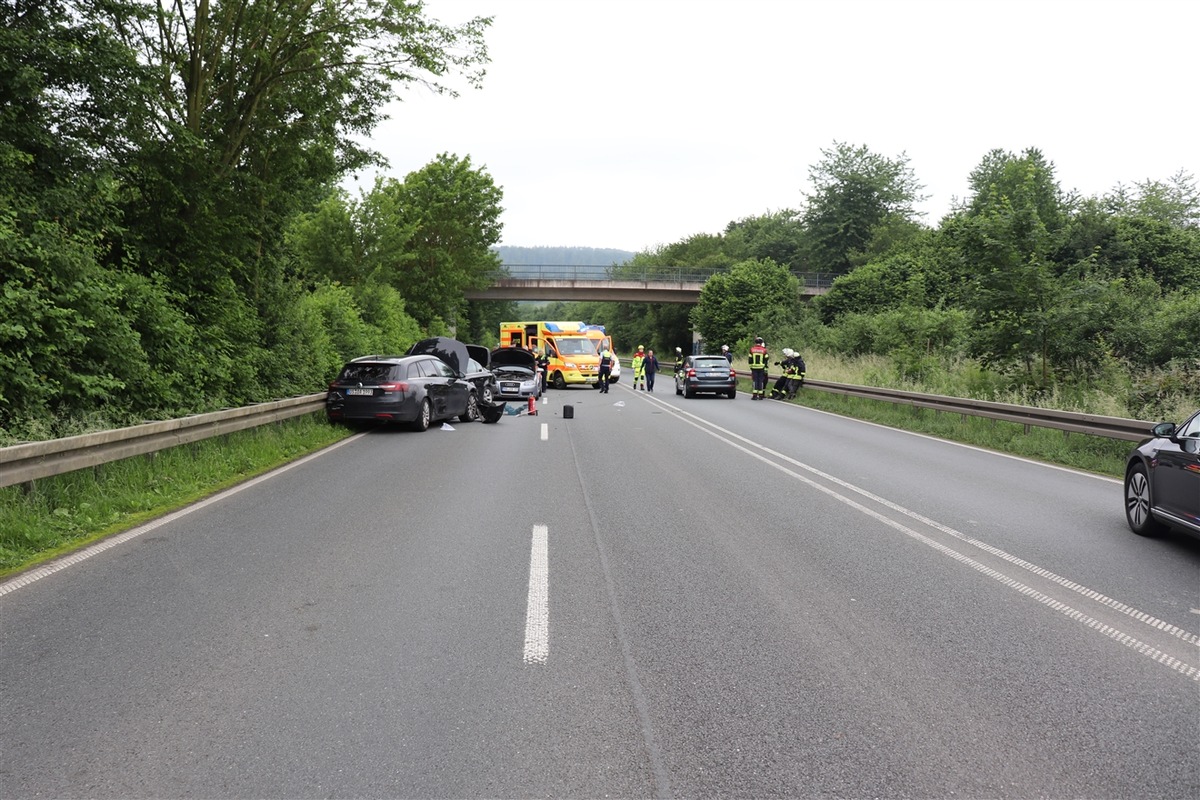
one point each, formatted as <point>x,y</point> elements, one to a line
<point>661,597</point>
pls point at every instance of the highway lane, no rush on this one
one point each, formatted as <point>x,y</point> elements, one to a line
<point>743,599</point>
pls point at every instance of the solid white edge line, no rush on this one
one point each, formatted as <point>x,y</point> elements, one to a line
<point>537,606</point>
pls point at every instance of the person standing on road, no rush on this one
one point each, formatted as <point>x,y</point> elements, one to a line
<point>605,371</point>
<point>651,367</point>
<point>678,361</point>
<point>639,368</point>
<point>725,352</point>
<point>758,368</point>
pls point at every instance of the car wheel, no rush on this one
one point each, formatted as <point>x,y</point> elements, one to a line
<point>421,423</point>
<point>678,389</point>
<point>1137,502</point>
<point>687,392</point>
<point>489,395</point>
<point>732,393</point>
<point>560,382</point>
<point>472,412</point>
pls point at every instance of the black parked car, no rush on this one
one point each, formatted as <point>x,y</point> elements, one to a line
<point>469,360</point>
<point>706,374</point>
<point>438,380</point>
<point>1162,480</point>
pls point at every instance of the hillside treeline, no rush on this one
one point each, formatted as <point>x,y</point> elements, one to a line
<point>171,234</point>
<point>1032,289</point>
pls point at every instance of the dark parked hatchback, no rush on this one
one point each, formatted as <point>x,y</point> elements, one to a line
<point>706,374</point>
<point>1162,480</point>
<point>416,390</point>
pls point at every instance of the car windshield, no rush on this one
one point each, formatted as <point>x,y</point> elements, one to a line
<point>575,346</point>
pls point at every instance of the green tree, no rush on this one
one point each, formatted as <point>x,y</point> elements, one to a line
<point>779,236</point>
<point>453,210</point>
<point>698,254</point>
<point>1169,253</point>
<point>258,108</point>
<point>729,300</point>
<point>1006,237</point>
<point>1029,177</point>
<point>1175,201</point>
<point>260,105</point>
<point>856,195</point>
<point>78,331</point>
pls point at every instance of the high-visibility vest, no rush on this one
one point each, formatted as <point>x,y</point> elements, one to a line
<point>758,357</point>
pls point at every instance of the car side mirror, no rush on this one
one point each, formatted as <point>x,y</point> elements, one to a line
<point>1164,430</point>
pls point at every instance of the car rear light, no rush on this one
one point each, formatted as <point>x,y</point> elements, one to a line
<point>733,373</point>
<point>394,387</point>
<point>691,373</point>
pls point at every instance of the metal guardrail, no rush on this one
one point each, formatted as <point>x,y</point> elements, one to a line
<point>1072,422</point>
<point>24,463</point>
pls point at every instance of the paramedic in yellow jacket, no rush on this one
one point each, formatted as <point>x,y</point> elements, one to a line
<point>639,368</point>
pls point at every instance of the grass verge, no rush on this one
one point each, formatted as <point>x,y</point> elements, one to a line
<point>65,512</point>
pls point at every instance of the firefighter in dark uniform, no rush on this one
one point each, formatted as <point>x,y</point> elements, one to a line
<point>796,378</point>
<point>759,357</point>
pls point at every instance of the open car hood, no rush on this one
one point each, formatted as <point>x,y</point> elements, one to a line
<point>452,351</point>
<point>512,357</point>
<point>480,354</point>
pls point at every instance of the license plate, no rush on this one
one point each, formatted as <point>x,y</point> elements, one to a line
<point>510,387</point>
<point>365,392</point>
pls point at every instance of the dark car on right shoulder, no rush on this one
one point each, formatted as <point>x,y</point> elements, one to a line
<point>706,374</point>
<point>415,390</point>
<point>1162,480</point>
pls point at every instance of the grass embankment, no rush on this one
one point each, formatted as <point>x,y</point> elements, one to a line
<point>68,511</point>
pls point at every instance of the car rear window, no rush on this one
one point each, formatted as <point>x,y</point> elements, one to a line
<point>710,363</point>
<point>369,374</point>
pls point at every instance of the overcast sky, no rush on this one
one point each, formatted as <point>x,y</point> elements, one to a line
<point>627,125</point>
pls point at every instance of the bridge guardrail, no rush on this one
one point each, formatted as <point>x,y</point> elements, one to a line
<point>24,463</point>
<point>587,272</point>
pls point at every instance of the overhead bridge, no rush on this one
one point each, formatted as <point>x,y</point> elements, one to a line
<point>594,284</point>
